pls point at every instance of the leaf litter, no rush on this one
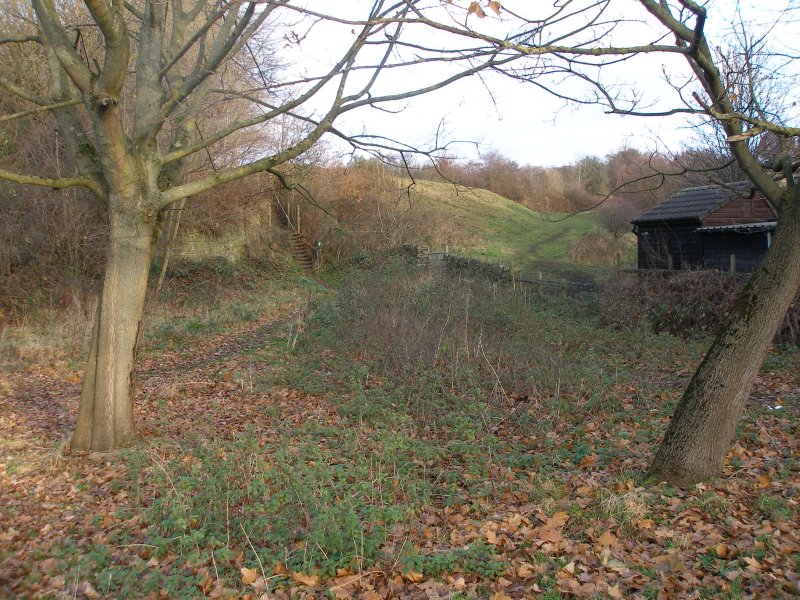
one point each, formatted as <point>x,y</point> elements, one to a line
<point>72,523</point>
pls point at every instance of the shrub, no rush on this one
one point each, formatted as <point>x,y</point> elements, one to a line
<point>600,248</point>
<point>686,303</point>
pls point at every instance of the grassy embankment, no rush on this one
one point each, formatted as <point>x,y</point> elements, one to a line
<point>496,229</point>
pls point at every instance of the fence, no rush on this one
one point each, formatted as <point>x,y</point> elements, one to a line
<point>466,267</point>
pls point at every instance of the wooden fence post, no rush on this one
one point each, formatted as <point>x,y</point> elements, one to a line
<point>564,288</point>
<point>733,263</point>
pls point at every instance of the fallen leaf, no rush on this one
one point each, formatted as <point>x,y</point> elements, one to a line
<point>752,563</point>
<point>567,570</point>
<point>607,539</point>
<point>248,575</point>
<point>413,576</point>
<point>668,562</point>
<point>260,585</point>
<point>49,564</point>
<point>85,589</point>
<point>721,550</point>
<point>491,537</point>
<point>548,535</point>
<point>615,592</point>
<point>220,591</point>
<point>524,571</point>
<point>305,579</point>
<point>732,575</point>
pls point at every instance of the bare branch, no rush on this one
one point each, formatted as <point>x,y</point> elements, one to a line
<point>56,184</point>
<point>218,55</point>
<point>117,50</point>
<point>27,113</point>
<point>173,60</point>
<point>56,38</point>
<point>20,39</point>
<point>16,90</point>
<point>133,10</point>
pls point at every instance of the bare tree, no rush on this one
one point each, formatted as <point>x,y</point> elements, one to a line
<point>705,420</point>
<point>747,93</point>
<point>615,216</point>
<point>128,112</point>
<point>136,87</point>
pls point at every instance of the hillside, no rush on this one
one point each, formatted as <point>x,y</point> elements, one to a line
<point>494,228</point>
<point>469,221</point>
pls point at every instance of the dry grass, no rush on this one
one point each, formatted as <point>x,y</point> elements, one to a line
<point>48,334</point>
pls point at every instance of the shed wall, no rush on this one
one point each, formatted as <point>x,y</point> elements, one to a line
<point>748,249</point>
<point>669,246</point>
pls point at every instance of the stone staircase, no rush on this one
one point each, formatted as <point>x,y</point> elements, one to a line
<point>302,251</point>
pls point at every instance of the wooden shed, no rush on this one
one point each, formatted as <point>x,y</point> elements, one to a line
<point>709,227</point>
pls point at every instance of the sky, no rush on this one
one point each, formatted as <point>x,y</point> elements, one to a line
<point>519,120</point>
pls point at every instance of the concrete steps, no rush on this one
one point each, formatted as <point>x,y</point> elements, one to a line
<point>302,251</point>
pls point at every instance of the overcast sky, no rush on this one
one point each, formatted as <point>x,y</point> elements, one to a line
<point>525,123</point>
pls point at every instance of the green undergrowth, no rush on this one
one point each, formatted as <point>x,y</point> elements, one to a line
<point>424,394</point>
<point>435,348</point>
<point>440,394</point>
<point>206,298</point>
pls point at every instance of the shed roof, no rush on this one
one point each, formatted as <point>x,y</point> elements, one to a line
<point>741,228</point>
<point>694,203</point>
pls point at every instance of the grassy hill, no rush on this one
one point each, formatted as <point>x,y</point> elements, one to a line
<point>470,221</point>
<point>494,228</point>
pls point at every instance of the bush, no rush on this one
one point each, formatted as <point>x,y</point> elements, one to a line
<point>600,248</point>
<point>457,344</point>
<point>52,250</point>
<point>687,304</point>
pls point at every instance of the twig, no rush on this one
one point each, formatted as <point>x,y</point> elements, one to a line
<point>258,558</point>
<point>214,562</point>
<point>350,581</point>
<point>172,485</point>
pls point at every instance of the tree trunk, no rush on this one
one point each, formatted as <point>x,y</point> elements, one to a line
<point>105,414</point>
<point>705,420</point>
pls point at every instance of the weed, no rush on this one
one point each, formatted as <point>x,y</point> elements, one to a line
<point>478,558</point>
<point>773,508</point>
<point>626,507</point>
<point>711,503</point>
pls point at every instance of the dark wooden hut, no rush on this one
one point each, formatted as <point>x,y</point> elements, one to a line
<point>708,227</point>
